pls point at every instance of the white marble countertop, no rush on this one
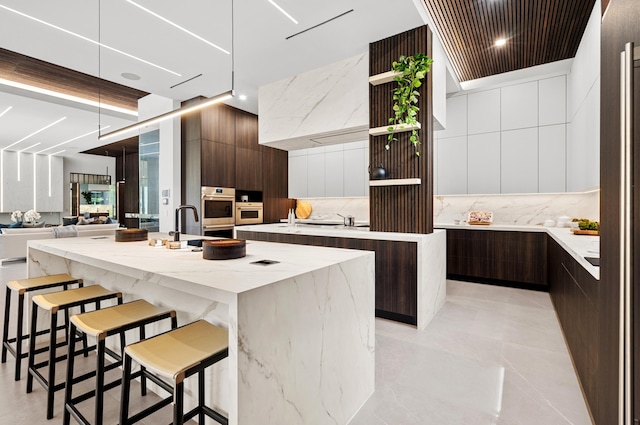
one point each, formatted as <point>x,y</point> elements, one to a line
<point>232,276</point>
<point>578,246</point>
<point>339,231</point>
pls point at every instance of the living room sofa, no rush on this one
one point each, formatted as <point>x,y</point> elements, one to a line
<point>13,241</point>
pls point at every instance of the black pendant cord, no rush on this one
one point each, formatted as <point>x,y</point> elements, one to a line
<point>99,68</point>
<point>233,50</point>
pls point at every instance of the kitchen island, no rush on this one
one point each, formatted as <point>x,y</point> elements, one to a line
<point>410,267</point>
<point>301,331</point>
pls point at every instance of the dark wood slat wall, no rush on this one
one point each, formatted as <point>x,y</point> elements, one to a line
<point>539,32</point>
<point>130,191</point>
<point>407,209</point>
<point>27,70</point>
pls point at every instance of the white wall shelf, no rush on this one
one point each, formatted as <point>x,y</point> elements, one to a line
<point>395,182</point>
<point>398,128</point>
<point>385,77</point>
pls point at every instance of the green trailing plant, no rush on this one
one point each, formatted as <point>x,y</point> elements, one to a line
<point>405,96</point>
<point>87,196</point>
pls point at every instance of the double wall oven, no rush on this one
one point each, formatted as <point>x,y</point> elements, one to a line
<point>218,211</point>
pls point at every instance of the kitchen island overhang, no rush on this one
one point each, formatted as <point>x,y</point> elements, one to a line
<point>301,331</point>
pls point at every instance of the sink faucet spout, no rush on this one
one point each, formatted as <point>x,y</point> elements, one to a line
<point>176,232</point>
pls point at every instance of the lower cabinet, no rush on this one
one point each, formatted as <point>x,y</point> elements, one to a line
<point>396,269</point>
<point>511,258</point>
<point>573,293</point>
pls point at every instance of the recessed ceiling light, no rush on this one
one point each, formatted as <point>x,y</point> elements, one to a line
<point>130,76</point>
<point>242,97</point>
<point>284,12</point>
<point>162,18</point>
<point>35,132</point>
<point>113,49</point>
<point>501,42</point>
<point>5,111</point>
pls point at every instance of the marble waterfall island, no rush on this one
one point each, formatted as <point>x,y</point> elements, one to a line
<point>301,331</point>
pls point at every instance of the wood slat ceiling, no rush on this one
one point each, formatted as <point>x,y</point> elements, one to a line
<point>130,145</point>
<point>537,32</point>
<point>27,70</point>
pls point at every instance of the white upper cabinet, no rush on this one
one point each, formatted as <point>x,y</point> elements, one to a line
<point>552,170</point>
<point>456,118</point>
<point>519,107</point>
<point>451,163</point>
<point>552,98</point>
<point>483,163</point>
<point>484,112</point>
<point>519,161</point>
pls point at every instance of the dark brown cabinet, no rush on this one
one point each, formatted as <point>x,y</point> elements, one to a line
<point>517,258</point>
<point>220,148</point>
<point>248,169</point>
<point>573,293</point>
<point>396,269</point>
<point>218,164</point>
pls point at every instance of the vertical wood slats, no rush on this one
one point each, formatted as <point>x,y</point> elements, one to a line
<point>406,209</point>
<point>538,32</point>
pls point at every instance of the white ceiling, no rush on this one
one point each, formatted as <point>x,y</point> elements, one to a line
<point>262,53</point>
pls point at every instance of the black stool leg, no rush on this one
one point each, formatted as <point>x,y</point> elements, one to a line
<point>143,378</point>
<point>19,335</point>
<point>32,346</point>
<point>178,407</point>
<point>126,386</point>
<point>51,383</point>
<point>201,402</point>
<point>5,327</point>
<point>99,410</point>
<point>68,394</point>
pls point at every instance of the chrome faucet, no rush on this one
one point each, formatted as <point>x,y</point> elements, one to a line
<point>176,232</point>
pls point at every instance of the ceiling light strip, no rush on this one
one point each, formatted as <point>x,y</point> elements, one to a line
<point>172,114</point>
<point>113,49</point>
<point>49,175</point>
<point>32,146</point>
<point>56,153</point>
<point>67,97</point>
<point>284,12</point>
<point>18,154</point>
<point>5,111</point>
<point>1,180</point>
<point>35,132</point>
<point>75,138</point>
<point>35,186</point>
<point>321,23</point>
<point>162,18</point>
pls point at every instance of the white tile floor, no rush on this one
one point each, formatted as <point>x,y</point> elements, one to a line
<point>491,356</point>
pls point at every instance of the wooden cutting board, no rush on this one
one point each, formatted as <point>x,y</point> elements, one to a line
<point>585,232</point>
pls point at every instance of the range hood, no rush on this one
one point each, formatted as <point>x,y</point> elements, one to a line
<point>324,106</point>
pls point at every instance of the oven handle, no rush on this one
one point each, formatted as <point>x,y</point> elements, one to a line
<point>238,207</point>
<point>210,197</point>
<point>219,227</point>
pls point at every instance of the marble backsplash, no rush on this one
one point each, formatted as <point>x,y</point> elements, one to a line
<point>526,209</point>
<point>529,209</point>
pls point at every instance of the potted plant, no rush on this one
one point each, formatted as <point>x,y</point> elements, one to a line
<point>87,196</point>
<point>405,96</point>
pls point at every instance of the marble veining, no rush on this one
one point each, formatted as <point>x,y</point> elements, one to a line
<point>301,332</point>
<point>324,100</point>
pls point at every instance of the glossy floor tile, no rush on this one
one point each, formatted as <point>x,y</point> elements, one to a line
<point>492,356</point>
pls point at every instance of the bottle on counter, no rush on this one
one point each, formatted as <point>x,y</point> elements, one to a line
<point>291,217</point>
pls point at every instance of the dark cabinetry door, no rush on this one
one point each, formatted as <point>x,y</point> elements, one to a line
<point>248,169</point>
<point>247,131</point>
<point>219,124</point>
<point>516,257</point>
<point>218,164</point>
<point>275,176</point>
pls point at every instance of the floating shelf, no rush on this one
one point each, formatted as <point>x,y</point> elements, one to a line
<point>395,182</point>
<point>385,77</point>
<point>398,128</point>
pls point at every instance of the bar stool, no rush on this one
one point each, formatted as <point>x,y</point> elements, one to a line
<point>176,355</point>
<point>54,302</point>
<point>102,324</point>
<point>21,287</point>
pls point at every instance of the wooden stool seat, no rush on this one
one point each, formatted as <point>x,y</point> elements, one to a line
<point>102,324</point>
<point>176,355</point>
<point>54,302</point>
<point>21,287</point>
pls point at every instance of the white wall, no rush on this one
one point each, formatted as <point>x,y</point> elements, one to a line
<point>583,149</point>
<point>506,139</point>
<point>170,171</point>
<point>439,75</point>
<point>85,164</point>
<point>329,171</point>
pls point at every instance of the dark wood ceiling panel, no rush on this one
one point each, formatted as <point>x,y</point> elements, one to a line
<point>116,149</point>
<point>27,70</point>
<point>537,32</point>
